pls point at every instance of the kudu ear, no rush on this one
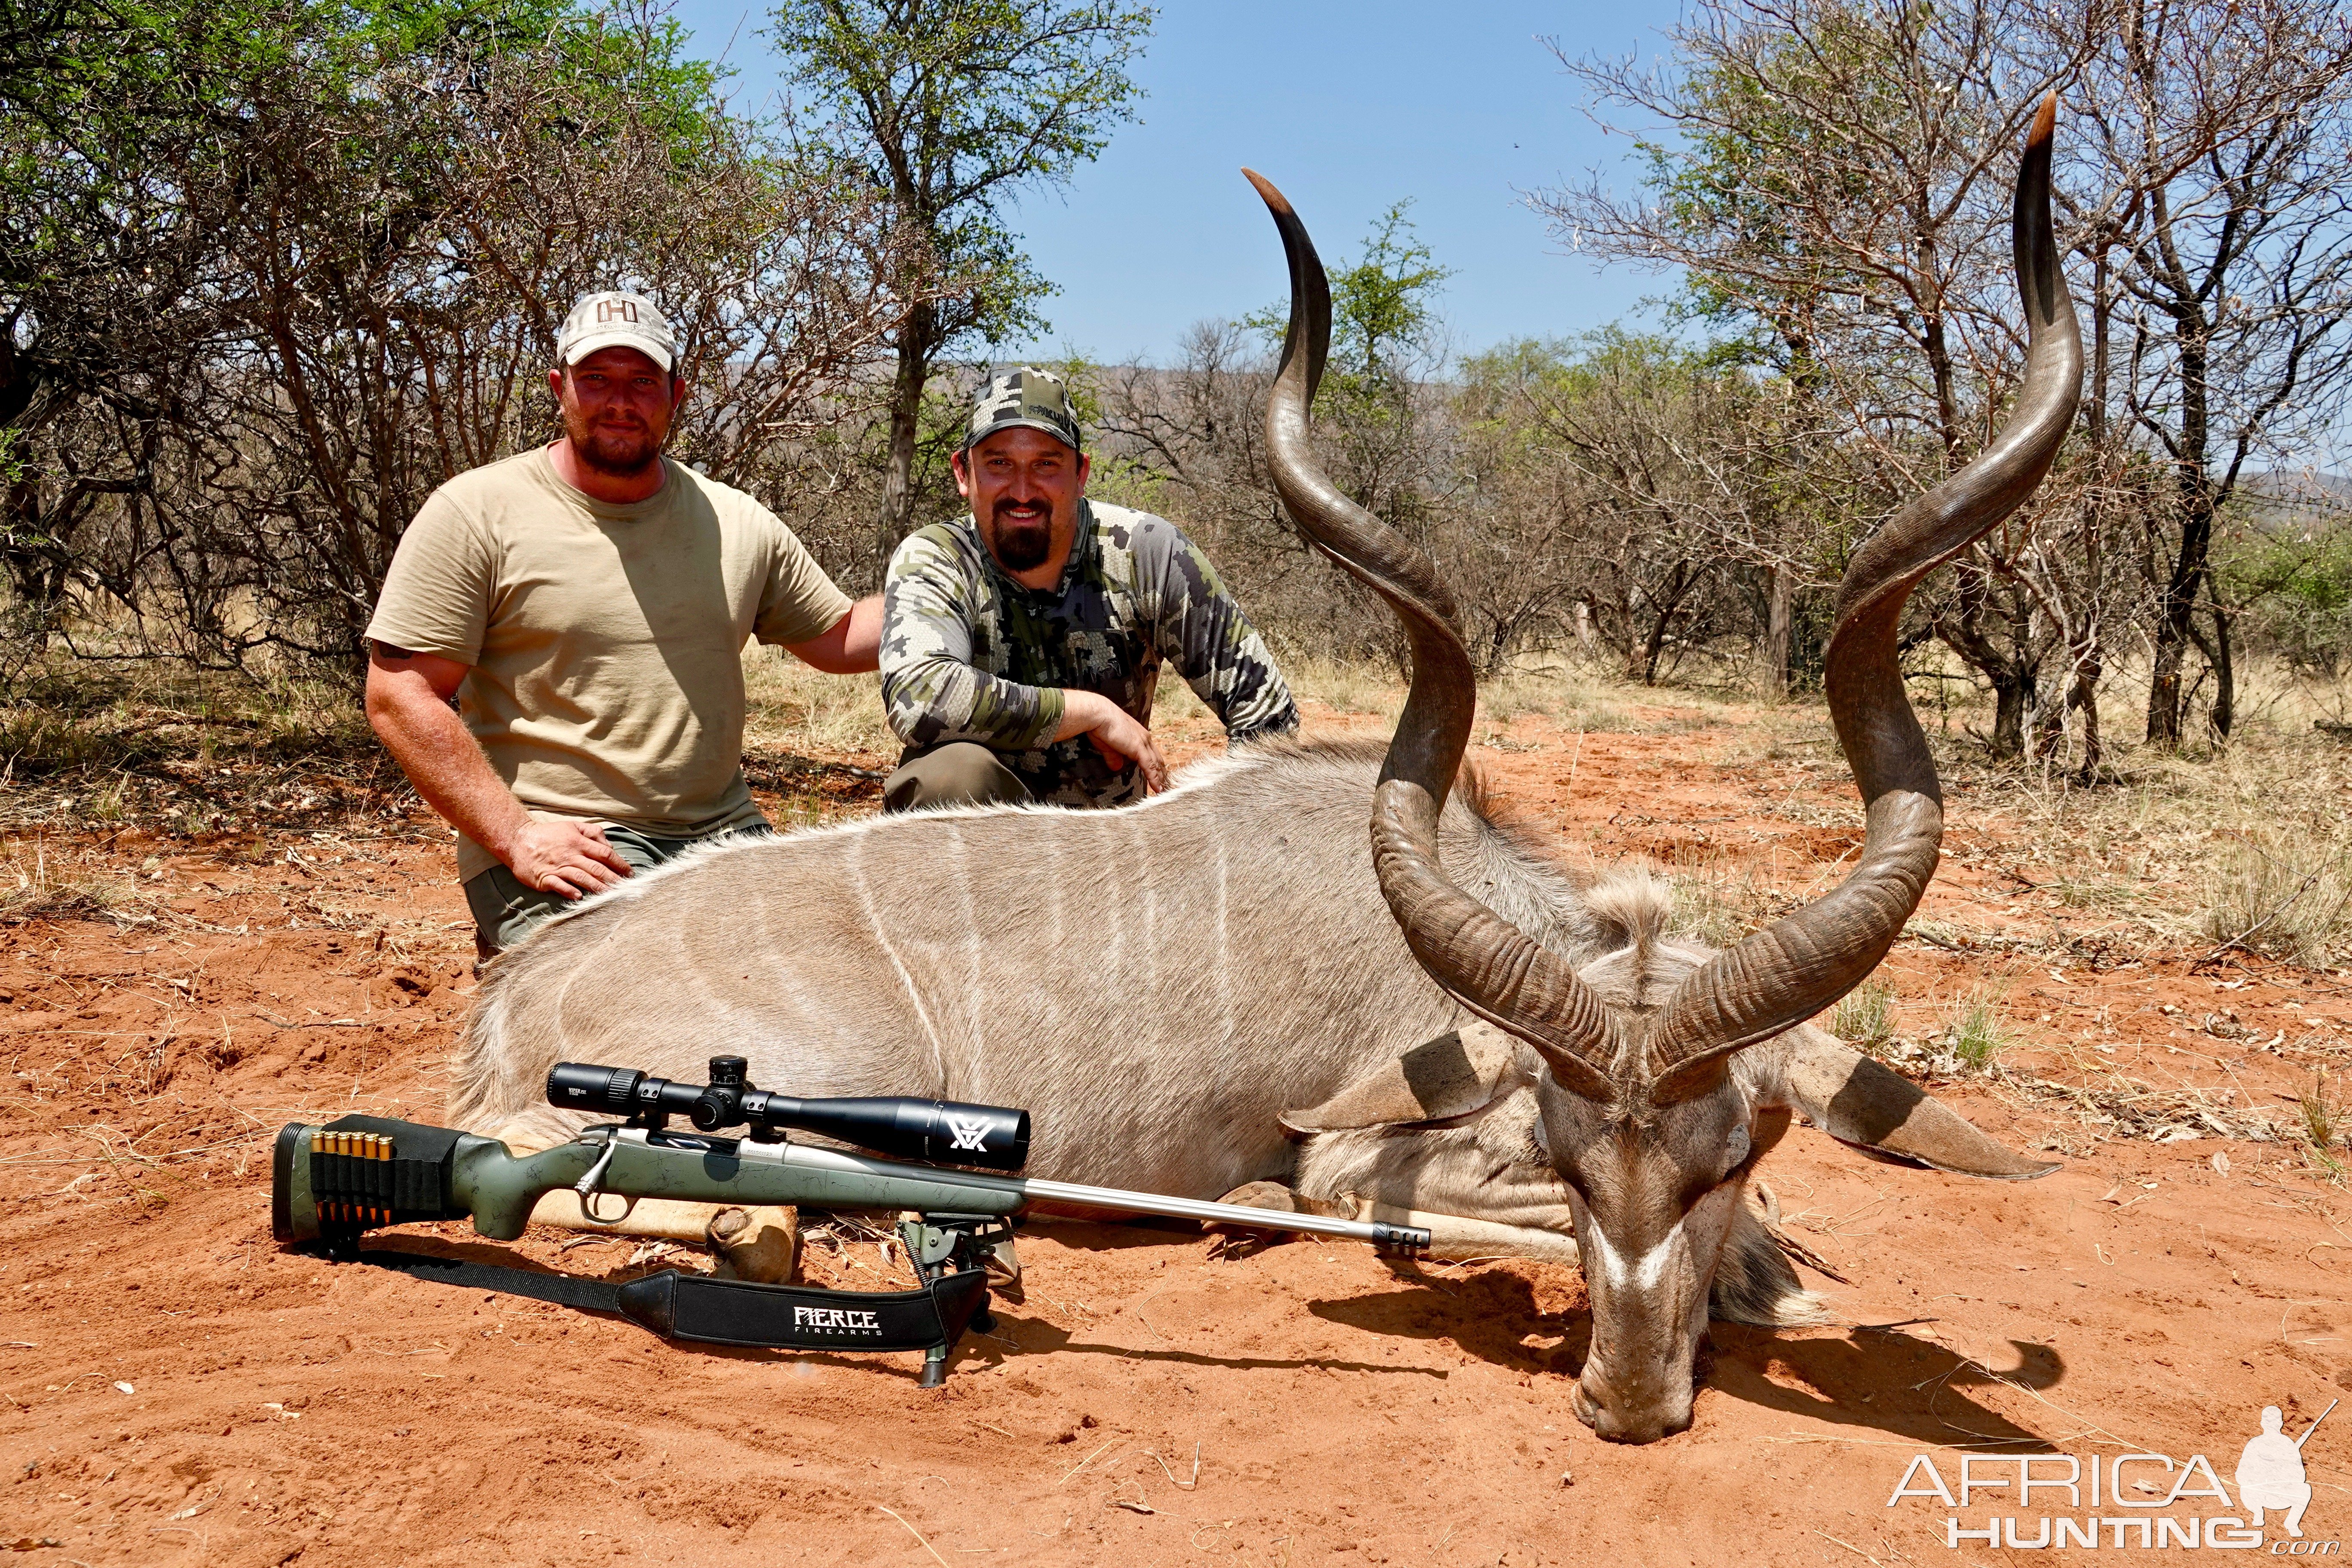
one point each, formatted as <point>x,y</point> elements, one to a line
<point>1460,1072</point>
<point>1869,1106</point>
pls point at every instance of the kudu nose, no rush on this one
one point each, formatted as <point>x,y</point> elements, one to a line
<point>1614,1419</point>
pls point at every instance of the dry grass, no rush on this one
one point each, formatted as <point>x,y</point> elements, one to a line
<point>1717,900</point>
<point>2250,842</point>
<point>2284,896</point>
<point>1346,687</point>
<point>1977,1031</point>
<point>39,884</point>
<point>810,713</point>
<point>2321,1124</point>
<point>66,718</point>
<point>1865,1016</point>
<point>2173,849</point>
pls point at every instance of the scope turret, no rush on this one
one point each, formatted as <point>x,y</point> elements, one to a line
<point>941,1131</point>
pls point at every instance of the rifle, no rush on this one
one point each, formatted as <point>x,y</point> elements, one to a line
<point>2316,1421</point>
<point>332,1181</point>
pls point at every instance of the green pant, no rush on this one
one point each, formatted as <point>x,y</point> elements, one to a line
<point>961,772</point>
<point>505,910</point>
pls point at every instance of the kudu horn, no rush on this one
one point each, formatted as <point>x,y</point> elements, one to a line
<point>1486,962</point>
<point>1798,965</point>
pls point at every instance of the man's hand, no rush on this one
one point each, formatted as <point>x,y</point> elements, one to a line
<point>555,855</point>
<point>408,703</point>
<point>1114,732</point>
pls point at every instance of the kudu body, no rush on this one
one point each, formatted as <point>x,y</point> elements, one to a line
<point>1155,984</point>
<point>1164,985</point>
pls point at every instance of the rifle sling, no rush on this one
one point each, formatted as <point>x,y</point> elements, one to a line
<point>704,1310</point>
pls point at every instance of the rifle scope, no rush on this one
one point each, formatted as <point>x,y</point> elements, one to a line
<point>943,1132</point>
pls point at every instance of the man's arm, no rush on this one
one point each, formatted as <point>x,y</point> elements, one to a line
<point>851,645</point>
<point>1203,632</point>
<point>408,705</point>
<point>934,693</point>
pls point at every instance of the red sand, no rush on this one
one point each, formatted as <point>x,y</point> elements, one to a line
<point>182,1391</point>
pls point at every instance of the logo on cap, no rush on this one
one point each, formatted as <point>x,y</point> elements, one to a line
<point>616,320</point>
<point>1029,397</point>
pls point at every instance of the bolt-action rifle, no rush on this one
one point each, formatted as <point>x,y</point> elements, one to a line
<point>332,1183</point>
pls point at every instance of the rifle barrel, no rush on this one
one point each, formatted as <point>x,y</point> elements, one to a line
<point>810,1157</point>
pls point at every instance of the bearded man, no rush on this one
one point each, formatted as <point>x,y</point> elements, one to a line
<point>1021,645</point>
<point>587,604</point>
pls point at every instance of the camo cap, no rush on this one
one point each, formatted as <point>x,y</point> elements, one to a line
<point>1028,396</point>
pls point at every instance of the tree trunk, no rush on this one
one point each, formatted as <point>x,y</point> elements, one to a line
<point>2012,672</point>
<point>1664,604</point>
<point>898,512</point>
<point>2084,699</point>
<point>2177,608</point>
<point>2048,730</point>
<point>2013,693</point>
<point>1779,613</point>
<point>2225,677</point>
<point>2176,620</point>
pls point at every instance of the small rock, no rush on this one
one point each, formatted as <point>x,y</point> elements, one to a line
<point>1567,1478</point>
<point>124,1388</point>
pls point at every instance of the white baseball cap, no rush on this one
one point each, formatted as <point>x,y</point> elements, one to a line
<point>617,319</point>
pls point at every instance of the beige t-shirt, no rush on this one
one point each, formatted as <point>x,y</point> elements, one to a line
<point>605,641</point>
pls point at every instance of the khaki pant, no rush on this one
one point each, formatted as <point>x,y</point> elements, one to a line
<point>505,910</point>
<point>961,772</point>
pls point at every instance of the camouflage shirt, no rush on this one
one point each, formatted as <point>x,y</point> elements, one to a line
<point>968,654</point>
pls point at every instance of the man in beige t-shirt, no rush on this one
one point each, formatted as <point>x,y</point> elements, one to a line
<point>587,603</point>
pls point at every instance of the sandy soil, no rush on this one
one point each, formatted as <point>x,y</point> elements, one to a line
<point>179,1390</point>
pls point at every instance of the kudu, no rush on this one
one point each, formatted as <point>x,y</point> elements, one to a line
<point>1163,986</point>
<point>1663,1083</point>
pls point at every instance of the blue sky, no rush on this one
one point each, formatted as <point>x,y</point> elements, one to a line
<point>1347,107</point>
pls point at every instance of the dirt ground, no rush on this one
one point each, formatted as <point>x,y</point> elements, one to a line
<point>180,1390</point>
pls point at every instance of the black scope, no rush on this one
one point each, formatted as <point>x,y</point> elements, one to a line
<point>941,1131</point>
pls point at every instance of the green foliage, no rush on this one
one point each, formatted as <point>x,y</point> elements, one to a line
<point>1384,319</point>
<point>1780,169</point>
<point>271,272</point>
<point>2298,583</point>
<point>953,107</point>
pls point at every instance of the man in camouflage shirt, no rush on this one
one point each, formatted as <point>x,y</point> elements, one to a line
<point>1021,645</point>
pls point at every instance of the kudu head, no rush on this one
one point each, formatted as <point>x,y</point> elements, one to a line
<point>1650,1113</point>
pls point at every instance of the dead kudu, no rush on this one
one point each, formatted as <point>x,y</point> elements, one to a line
<point>1169,986</point>
<point>1666,1075</point>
